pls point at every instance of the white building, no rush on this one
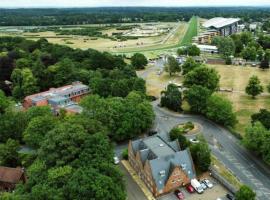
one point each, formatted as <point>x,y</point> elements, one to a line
<point>225,26</point>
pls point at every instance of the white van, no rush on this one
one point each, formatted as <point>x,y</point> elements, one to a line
<point>196,185</point>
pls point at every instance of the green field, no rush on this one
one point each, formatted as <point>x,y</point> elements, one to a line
<point>181,34</point>
<point>191,32</point>
<point>183,39</point>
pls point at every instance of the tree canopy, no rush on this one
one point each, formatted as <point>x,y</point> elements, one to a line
<point>220,110</point>
<point>171,98</point>
<point>172,66</point>
<point>244,193</point>
<point>203,76</point>
<point>254,87</point>
<point>138,61</point>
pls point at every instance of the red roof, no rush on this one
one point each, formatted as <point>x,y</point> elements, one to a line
<point>10,175</point>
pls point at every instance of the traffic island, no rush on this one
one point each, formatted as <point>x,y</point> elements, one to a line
<point>190,128</point>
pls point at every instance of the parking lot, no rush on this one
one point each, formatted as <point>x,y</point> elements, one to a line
<point>218,191</point>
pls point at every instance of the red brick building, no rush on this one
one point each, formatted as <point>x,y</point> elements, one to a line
<point>9,177</point>
<point>161,164</point>
<point>66,97</point>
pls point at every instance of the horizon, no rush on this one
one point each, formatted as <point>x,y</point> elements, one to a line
<point>16,4</point>
<point>80,7</point>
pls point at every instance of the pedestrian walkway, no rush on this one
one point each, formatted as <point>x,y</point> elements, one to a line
<point>137,179</point>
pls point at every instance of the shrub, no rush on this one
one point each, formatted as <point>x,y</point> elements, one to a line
<point>125,154</point>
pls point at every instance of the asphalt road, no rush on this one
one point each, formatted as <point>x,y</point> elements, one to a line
<point>250,170</point>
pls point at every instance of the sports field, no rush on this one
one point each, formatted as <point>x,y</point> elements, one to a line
<point>191,32</point>
<point>180,33</point>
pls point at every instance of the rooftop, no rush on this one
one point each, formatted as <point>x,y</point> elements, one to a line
<point>10,175</point>
<point>219,22</point>
<point>61,91</point>
<point>163,156</point>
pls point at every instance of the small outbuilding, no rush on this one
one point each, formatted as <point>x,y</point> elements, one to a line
<point>10,177</point>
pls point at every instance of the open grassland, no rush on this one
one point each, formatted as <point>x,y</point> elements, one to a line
<point>237,77</point>
<point>182,37</point>
<point>152,47</point>
<point>156,83</point>
<point>165,40</point>
<point>191,31</point>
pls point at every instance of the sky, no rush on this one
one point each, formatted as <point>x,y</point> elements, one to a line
<point>108,3</point>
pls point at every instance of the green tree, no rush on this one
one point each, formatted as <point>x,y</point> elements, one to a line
<point>37,129</point>
<point>204,77</point>
<point>12,125</point>
<point>225,45</point>
<point>197,97</point>
<point>201,155</point>
<point>63,72</point>
<point>250,53</point>
<point>138,61</point>
<point>89,183</point>
<point>246,37</point>
<point>193,50</point>
<point>124,117</point>
<point>220,110</point>
<point>171,98</point>
<point>62,145</point>
<point>177,134</point>
<point>265,150</point>
<point>181,51</point>
<point>189,65</point>
<point>9,153</point>
<point>268,88</point>
<point>24,83</point>
<point>23,63</point>
<point>255,137</point>
<point>254,87</point>
<point>4,102</point>
<point>245,193</point>
<point>172,66</point>
<point>263,117</point>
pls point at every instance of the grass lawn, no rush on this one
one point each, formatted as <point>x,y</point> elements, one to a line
<point>191,32</point>
<point>225,173</point>
<point>237,77</point>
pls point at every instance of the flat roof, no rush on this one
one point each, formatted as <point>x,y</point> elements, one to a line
<point>219,22</point>
<point>158,146</point>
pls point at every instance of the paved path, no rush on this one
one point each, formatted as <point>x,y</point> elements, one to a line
<point>134,192</point>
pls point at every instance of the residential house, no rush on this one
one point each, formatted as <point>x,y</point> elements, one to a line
<point>9,177</point>
<point>160,163</point>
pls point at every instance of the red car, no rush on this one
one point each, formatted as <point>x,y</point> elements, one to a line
<point>179,194</point>
<point>190,189</point>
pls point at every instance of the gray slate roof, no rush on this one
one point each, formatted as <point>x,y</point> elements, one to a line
<point>163,156</point>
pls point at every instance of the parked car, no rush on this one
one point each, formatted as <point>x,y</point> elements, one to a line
<point>179,194</point>
<point>230,196</point>
<point>197,186</point>
<point>116,160</point>
<point>208,183</point>
<point>204,186</point>
<point>194,141</point>
<point>190,189</point>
